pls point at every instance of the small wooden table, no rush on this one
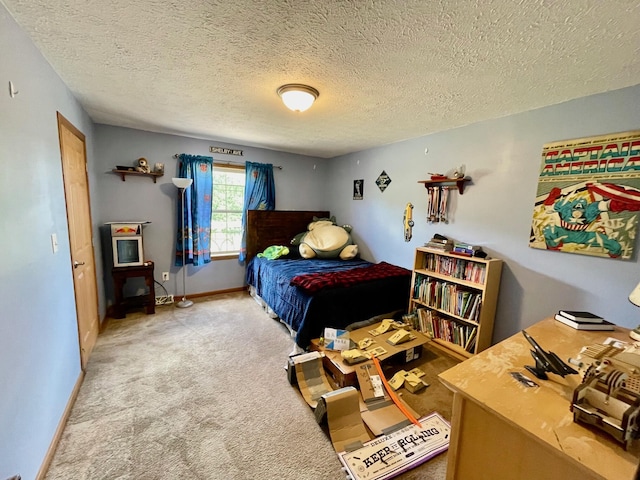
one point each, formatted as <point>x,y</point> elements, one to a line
<point>502,429</point>
<point>120,276</point>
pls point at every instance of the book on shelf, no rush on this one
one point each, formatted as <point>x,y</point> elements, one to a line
<point>443,247</point>
<point>461,253</point>
<point>581,316</point>
<point>579,325</point>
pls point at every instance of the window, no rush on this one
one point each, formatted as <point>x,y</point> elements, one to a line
<point>226,210</point>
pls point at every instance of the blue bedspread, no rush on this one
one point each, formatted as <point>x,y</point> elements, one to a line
<point>337,308</point>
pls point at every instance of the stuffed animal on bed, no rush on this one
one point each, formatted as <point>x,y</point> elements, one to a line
<point>325,239</point>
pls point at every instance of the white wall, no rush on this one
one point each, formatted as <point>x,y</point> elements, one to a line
<point>39,356</point>
<point>300,185</point>
<point>503,158</point>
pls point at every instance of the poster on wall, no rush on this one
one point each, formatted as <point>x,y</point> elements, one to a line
<point>588,196</point>
<point>383,181</point>
<point>358,189</point>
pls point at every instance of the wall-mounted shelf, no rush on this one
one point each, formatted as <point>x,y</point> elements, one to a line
<point>124,173</point>
<point>447,182</point>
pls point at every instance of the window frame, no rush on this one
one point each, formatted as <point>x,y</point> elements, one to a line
<point>230,166</point>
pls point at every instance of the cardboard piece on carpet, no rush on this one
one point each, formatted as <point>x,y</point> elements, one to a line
<point>311,378</point>
<point>403,352</point>
<point>389,456</point>
<point>346,429</point>
<point>370,383</point>
<point>381,415</point>
<point>410,380</point>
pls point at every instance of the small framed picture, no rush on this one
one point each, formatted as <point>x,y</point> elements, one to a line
<point>158,168</point>
<point>358,189</point>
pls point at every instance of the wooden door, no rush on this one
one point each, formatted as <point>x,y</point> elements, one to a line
<point>76,191</point>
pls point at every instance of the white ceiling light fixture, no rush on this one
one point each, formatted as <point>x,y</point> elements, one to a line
<point>298,97</point>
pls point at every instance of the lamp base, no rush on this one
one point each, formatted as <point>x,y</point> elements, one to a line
<point>184,303</point>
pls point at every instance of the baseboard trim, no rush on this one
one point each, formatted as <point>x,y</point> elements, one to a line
<point>215,292</point>
<point>63,421</point>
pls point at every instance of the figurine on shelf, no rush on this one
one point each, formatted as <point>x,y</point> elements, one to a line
<point>143,166</point>
<point>458,173</point>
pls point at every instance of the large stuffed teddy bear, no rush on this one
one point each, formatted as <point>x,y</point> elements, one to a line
<point>325,239</point>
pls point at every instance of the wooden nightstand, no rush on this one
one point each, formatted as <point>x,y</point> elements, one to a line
<point>120,276</point>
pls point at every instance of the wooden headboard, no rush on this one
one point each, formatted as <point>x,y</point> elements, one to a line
<point>276,227</point>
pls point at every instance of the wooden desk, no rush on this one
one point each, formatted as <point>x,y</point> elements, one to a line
<point>503,430</point>
<point>120,276</point>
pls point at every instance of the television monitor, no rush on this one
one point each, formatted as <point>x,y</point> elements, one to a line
<point>127,251</point>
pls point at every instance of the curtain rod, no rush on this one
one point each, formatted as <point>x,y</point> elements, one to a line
<point>279,167</point>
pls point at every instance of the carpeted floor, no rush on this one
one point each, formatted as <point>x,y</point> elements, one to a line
<point>201,393</point>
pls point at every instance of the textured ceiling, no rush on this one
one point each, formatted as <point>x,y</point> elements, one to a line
<point>386,70</point>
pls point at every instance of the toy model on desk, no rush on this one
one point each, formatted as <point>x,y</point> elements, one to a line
<point>546,361</point>
<point>609,396</point>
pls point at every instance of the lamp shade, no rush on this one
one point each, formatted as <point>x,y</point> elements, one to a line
<point>298,97</point>
<point>182,182</point>
<point>634,296</point>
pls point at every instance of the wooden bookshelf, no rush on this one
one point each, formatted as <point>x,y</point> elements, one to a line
<point>454,300</point>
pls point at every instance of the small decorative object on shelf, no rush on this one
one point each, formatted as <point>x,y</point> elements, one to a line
<point>458,173</point>
<point>143,166</point>
<point>454,298</point>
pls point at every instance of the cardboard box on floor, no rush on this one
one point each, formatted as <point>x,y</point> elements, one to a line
<point>378,411</point>
<point>343,375</point>
<point>402,352</point>
<point>389,455</point>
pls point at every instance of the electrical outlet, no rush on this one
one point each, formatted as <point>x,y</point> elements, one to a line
<point>165,276</point>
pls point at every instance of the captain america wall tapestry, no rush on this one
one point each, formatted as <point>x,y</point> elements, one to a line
<point>588,196</point>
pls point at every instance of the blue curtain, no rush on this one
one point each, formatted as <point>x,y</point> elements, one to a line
<point>259,194</point>
<point>197,210</point>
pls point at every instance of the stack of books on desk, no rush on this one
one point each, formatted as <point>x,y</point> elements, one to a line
<point>583,320</point>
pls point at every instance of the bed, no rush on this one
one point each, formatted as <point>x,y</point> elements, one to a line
<point>308,295</point>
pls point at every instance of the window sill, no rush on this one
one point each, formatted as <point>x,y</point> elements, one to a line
<point>224,256</point>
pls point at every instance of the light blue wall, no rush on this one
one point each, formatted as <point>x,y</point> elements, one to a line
<point>503,158</point>
<point>300,185</point>
<point>39,357</point>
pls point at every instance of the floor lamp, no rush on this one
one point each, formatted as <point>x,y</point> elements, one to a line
<point>182,184</point>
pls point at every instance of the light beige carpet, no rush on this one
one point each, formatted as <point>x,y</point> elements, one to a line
<point>201,393</point>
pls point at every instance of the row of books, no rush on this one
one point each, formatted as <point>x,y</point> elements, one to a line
<point>448,297</point>
<point>582,320</point>
<point>456,268</point>
<point>447,330</point>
